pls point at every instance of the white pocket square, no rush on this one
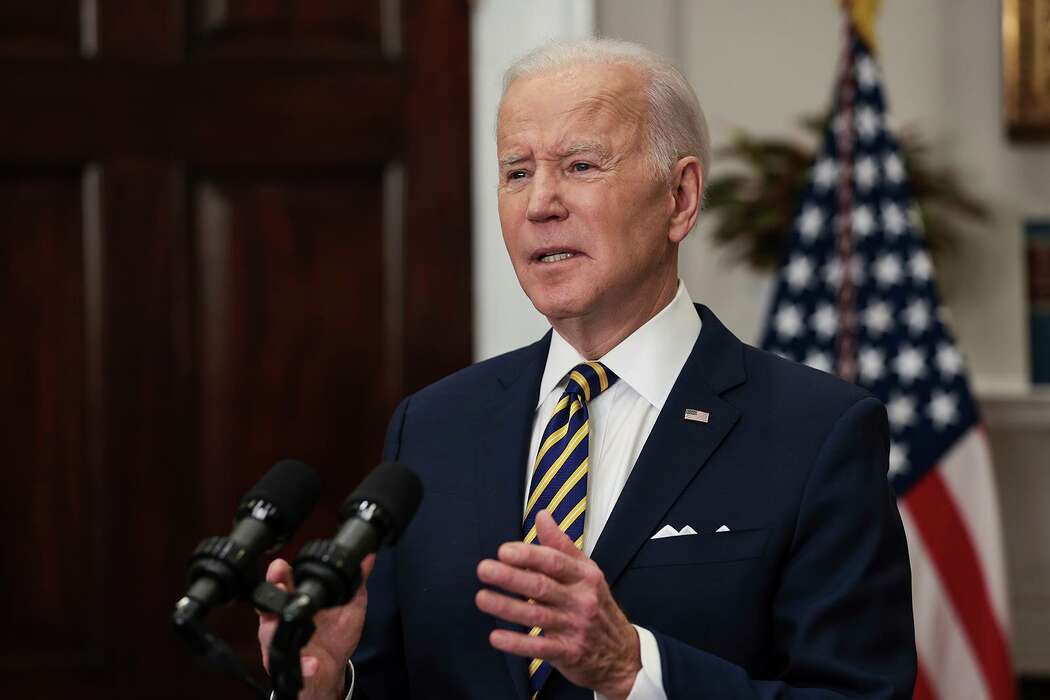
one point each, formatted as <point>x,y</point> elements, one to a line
<point>668,531</point>
<point>724,528</point>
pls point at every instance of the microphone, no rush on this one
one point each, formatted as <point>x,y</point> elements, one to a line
<point>328,572</point>
<point>222,568</point>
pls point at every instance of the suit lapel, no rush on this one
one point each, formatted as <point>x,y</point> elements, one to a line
<point>676,449</point>
<point>504,430</point>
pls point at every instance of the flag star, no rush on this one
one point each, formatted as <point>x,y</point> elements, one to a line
<point>872,364</point>
<point>862,221</point>
<point>833,272</point>
<point>949,360</point>
<point>894,167</point>
<point>942,409</point>
<point>867,72</point>
<point>825,321</point>
<point>788,321</point>
<point>888,270</point>
<point>909,364</point>
<point>893,219</point>
<point>824,173</point>
<point>920,266</point>
<point>867,123</point>
<point>799,272</point>
<point>898,458</point>
<point>819,360</point>
<point>901,411</point>
<point>866,173</point>
<point>917,316</point>
<point>810,222</point>
<point>878,317</point>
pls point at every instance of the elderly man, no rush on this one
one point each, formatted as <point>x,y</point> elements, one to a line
<point>637,505</point>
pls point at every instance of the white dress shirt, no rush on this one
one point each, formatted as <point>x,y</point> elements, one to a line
<point>648,363</point>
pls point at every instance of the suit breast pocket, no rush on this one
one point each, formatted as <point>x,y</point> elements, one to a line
<point>701,549</point>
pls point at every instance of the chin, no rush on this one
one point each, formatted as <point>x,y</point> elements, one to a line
<point>556,306</point>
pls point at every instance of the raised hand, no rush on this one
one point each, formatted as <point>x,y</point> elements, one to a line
<point>585,634</point>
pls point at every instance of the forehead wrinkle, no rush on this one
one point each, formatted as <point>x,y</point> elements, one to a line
<point>618,103</point>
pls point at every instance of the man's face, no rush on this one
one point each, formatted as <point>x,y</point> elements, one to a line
<point>584,218</point>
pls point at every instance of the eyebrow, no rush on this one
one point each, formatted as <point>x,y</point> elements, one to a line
<point>512,159</point>
<point>567,152</point>
<point>584,147</point>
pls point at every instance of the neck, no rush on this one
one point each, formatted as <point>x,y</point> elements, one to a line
<point>596,334</point>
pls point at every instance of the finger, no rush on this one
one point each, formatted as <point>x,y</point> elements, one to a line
<point>542,558</point>
<point>530,584</point>
<point>279,573</point>
<point>367,565</point>
<point>531,647</point>
<point>519,611</point>
<point>309,665</point>
<point>551,535</point>
<point>267,628</point>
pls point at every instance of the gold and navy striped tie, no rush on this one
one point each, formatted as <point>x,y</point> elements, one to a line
<point>559,481</point>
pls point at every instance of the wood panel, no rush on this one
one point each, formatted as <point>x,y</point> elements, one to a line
<point>53,562</point>
<point>296,30</point>
<point>290,286</point>
<point>45,28</point>
<point>234,232</point>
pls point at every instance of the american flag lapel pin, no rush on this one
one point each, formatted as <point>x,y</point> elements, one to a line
<point>698,416</point>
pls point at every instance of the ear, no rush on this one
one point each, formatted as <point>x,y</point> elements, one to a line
<point>686,185</point>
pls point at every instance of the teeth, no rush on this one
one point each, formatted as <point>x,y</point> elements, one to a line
<point>555,257</point>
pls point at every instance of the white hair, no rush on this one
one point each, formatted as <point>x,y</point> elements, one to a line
<point>676,123</point>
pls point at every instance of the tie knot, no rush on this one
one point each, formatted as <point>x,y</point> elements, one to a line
<point>590,379</point>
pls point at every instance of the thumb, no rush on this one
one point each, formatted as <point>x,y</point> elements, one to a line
<point>551,535</point>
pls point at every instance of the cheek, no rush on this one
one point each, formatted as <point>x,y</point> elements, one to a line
<point>510,220</point>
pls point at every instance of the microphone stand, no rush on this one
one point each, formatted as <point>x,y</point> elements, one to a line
<point>187,621</point>
<point>293,633</point>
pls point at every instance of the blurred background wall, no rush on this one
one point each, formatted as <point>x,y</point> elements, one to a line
<point>760,66</point>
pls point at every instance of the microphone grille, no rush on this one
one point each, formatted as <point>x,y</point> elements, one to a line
<point>292,488</point>
<point>393,486</point>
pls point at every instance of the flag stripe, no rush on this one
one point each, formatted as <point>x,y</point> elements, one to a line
<point>945,654</point>
<point>922,687</point>
<point>951,551</point>
<point>972,486</point>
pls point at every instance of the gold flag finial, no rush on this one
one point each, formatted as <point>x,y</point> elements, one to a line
<point>863,13</point>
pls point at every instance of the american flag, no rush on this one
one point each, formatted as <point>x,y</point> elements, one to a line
<point>856,296</point>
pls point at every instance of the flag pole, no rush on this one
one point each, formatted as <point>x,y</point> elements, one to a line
<point>846,338</point>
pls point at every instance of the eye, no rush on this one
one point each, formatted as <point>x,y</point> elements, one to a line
<point>516,174</point>
<point>581,167</point>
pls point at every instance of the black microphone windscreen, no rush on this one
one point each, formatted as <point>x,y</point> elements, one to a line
<point>292,487</point>
<point>394,487</point>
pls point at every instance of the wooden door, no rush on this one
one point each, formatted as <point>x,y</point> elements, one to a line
<point>232,231</point>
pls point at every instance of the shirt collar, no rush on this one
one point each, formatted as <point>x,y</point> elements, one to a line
<point>649,359</point>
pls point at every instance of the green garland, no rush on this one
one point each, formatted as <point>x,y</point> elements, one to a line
<point>757,202</point>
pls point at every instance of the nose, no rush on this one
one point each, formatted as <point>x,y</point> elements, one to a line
<point>545,198</point>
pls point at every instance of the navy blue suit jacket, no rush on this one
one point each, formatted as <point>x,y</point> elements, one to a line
<point>808,595</point>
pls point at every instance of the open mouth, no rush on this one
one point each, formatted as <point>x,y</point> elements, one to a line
<point>554,255</point>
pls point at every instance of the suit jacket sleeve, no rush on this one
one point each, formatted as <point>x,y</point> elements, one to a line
<point>379,661</point>
<point>842,613</point>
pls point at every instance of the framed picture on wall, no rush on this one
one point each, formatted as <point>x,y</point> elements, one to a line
<point>1026,66</point>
